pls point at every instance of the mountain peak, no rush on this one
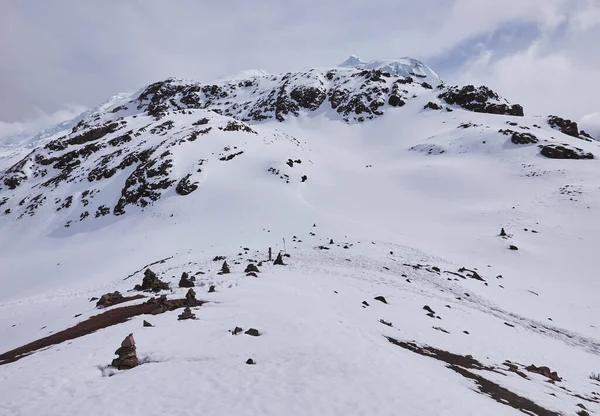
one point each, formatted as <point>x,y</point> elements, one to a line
<point>407,67</point>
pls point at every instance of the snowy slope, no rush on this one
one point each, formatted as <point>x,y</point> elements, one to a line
<point>368,196</point>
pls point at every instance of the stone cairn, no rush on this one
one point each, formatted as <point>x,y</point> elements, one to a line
<point>127,357</point>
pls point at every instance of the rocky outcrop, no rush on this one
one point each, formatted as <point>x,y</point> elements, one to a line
<point>564,151</point>
<point>568,127</point>
<point>479,100</point>
<point>127,357</point>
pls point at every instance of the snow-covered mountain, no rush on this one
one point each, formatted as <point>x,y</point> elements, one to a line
<point>438,242</point>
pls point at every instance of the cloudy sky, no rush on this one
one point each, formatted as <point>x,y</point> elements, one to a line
<point>61,56</point>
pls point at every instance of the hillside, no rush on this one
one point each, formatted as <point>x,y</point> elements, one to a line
<point>375,179</point>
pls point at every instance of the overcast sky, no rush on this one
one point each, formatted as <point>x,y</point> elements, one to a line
<point>61,56</point>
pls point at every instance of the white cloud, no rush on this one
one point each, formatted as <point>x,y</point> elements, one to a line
<point>591,124</point>
<point>14,131</point>
<point>84,52</point>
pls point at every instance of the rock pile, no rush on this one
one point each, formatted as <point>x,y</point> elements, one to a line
<point>187,314</point>
<point>279,260</point>
<point>190,298</point>
<point>251,268</point>
<point>186,281</point>
<point>127,357</point>
<point>152,283</point>
<point>545,371</point>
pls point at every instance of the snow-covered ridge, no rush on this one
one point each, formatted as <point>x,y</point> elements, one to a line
<point>407,67</point>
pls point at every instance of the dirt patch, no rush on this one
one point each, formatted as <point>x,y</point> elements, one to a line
<point>460,364</point>
<point>504,396</point>
<point>96,322</point>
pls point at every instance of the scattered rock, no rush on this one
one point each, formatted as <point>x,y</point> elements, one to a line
<point>545,371</point>
<point>511,247</point>
<point>147,324</point>
<point>381,299</point>
<point>225,268</point>
<point>502,232</point>
<point>279,260</point>
<point>236,330</point>
<point>253,331</point>
<point>252,274</point>
<point>185,281</point>
<point>250,361</point>
<point>385,322</point>
<point>364,302</point>
<point>127,357</point>
<point>219,258</point>
<point>186,314</point>
<point>428,309</point>
<point>211,289</point>
<point>151,282</point>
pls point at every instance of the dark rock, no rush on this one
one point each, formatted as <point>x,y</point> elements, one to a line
<point>428,309</point>
<point>279,260</point>
<point>566,126</point>
<point>250,361</point>
<point>523,138</point>
<point>190,297</point>
<point>252,274</point>
<point>304,178</point>
<point>147,324</point>
<point>478,100</point>
<point>385,322</point>
<point>219,258</point>
<point>186,314</point>
<point>185,281</point>
<point>211,289</point>
<point>502,232</point>
<point>251,268</point>
<point>553,151</point>
<point>364,302</point>
<point>236,330</point>
<point>151,282</point>
<point>185,186</point>
<point>381,299</point>
<point>511,247</point>
<point>225,268</point>
<point>433,106</point>
<point>109,299</point>
<point>544,371</point>
<point>396,101</point>
<point>252,331</point>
